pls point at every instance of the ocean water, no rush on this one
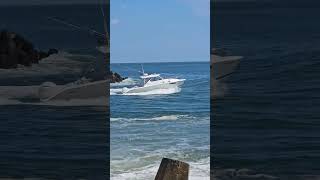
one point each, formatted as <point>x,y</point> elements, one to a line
<point>59,140</point>
<point>268,120</point>
<point>170,123</point>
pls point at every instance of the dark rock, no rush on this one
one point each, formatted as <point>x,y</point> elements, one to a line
<point>14,50</point>
<point>115,77</point>
<point>173,170</point>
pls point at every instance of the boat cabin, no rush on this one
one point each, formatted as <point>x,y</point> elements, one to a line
<point>150,77</point>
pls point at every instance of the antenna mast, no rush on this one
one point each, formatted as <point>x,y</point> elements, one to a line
<point>142,70</point>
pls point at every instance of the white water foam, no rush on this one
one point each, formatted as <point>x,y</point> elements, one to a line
<point>168,118</point>
<point>157,118</point>
<point>116,91</point>
<point>126,82</point>
<point>198,171</point>
<point>142,162</point>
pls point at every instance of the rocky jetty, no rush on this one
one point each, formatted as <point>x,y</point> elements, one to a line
<point>115,77</point>
<point>16,50</point>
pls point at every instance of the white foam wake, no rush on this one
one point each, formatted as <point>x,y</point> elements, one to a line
<point>167,118</point>
<point>126,82</point>
<point>157,118</point>
<point>116,91</point>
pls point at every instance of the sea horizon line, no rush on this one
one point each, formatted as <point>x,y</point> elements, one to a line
<point>157,62</point>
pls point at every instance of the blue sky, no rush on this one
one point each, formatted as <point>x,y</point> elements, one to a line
<point>159,30</point>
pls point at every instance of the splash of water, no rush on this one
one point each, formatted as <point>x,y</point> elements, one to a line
<point>127,82</point>
<point>198,171</point>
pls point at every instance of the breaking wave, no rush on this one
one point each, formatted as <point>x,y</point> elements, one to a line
<point>158,118</point>
<point>199,170</point>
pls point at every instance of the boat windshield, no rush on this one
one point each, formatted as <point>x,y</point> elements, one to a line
<point>155,78</point>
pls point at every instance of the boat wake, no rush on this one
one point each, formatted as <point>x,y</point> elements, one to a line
<point>157,118</point>
<point>127,82</point>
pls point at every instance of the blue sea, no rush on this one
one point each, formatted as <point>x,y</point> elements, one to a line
<point>171,123</point>
<point>268,121</point>
<point>62,140</point>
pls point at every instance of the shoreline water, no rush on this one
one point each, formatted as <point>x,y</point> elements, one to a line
<point>160,125</point>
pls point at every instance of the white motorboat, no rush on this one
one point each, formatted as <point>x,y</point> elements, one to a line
<point>81,89</point>
<point>154,82</point>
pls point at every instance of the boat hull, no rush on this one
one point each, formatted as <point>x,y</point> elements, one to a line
<point>176,84</point>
